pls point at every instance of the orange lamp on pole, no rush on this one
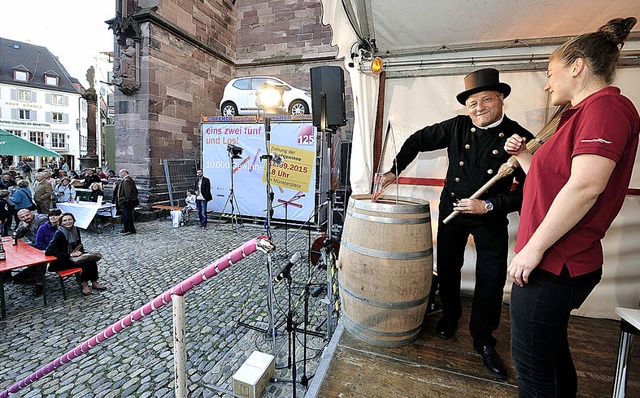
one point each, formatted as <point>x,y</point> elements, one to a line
<point>376,65</point>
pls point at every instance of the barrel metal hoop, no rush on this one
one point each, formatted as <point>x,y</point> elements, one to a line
<point>367,331</point>
<point>410,205</point>
<point>389,220</point>
<point>386,254</point>
<point>384,304</point>
<point>363,335</point>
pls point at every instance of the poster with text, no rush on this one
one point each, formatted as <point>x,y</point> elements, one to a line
<point>292,180</point>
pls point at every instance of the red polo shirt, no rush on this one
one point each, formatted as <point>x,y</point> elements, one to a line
<point>605,124</point>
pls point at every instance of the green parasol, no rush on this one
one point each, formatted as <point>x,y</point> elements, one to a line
<point>14,145</point>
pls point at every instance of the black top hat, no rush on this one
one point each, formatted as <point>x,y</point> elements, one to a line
<point>482,80</point>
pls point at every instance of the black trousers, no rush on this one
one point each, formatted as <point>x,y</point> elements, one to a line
<point>539,320</point>
<point>491,241</point>
<point>127,216</point>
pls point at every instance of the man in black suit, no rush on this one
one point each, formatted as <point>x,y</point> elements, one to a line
<point>127,199</point>
<point>203,196</point>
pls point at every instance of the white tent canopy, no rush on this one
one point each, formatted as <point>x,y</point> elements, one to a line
<point>428,46</point>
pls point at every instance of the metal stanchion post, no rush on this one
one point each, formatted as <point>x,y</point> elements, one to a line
<point>328,253</point>
<point>179,347</point>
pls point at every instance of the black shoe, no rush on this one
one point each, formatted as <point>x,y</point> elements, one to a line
<point>37,290</point>
<point>492,361</point>
<point>446,329</point>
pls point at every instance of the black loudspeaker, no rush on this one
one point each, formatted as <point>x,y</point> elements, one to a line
<point>328,81</point>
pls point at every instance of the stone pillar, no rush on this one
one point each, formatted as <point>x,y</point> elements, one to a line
<point>91,158</point>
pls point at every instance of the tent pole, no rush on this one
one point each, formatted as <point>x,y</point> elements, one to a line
<point>377,139</point>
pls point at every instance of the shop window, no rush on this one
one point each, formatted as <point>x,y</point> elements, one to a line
<point>37,137</point>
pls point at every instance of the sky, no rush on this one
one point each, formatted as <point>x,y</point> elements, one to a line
<point>72,30</point>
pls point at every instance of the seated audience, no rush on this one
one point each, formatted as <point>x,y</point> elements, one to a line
<point>96,191</point>
<point>48,229</point>
<point>190,200</point>
<point>66,243</point>
<point>29,225</point>
<point>100,173</point>
<point>89,178</point>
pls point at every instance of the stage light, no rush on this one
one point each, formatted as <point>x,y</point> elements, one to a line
<point>234,151</point>
<point>270,96</point>
<point>276,159</point>
<point>376,65</point>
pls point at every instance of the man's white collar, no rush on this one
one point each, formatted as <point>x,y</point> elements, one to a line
<point>495,124</point>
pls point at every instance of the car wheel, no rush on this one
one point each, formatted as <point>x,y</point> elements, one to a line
<point>298,107</point>
<point>229,109</point>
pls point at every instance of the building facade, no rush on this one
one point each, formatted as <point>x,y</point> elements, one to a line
<point>173,58</point>
<point>41,103</point>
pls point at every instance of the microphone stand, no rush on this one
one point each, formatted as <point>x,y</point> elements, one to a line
<point>285,204</point>
<point>236,220</point>
<point>304,380</point>
<point>291,335</point>
<point>270,292</point>
<point>291,329</point>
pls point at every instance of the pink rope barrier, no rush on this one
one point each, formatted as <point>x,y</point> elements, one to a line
<point>248,248</point>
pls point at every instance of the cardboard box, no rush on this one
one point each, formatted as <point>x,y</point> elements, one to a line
<point>253,375</point>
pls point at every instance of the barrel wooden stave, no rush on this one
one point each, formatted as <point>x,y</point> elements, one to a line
<point>386,269</point>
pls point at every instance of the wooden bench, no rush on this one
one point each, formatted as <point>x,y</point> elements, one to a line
<point>68,272</point>
<point>165,209</point>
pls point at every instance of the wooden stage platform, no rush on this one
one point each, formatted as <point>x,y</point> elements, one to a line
<point>432,367</point>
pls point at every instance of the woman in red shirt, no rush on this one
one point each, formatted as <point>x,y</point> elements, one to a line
<point>576,184</point>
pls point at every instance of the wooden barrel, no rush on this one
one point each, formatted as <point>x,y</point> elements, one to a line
<point>386,267</point>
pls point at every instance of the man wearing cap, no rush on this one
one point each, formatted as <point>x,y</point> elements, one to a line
<point>474,144</point>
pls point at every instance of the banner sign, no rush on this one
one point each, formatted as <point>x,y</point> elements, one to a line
<point>292,181</point>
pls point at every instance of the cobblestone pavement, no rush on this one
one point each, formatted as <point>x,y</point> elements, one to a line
<point>138,362</point>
